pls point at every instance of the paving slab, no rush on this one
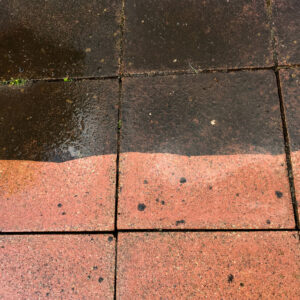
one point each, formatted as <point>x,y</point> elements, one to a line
<point>245,265</point>
<point>286,16</point>
<point>55,39</point>
<point>290,84</point>
<point>57,267</point>
<point>58,146</point>
<point>190,35</point>
<point>203,151</point>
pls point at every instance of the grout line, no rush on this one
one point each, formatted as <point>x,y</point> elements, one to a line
<point>269,4</point>
<point>119,127</point>
<point>196,72</point>
<point>158,73</point>
<point>287,151</point>
<point>115,233</point>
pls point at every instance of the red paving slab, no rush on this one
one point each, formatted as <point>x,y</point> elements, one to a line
<point>203,152</point>
<point>71,196</point>
<point>290,84</point>
<point>234,191</point>
<point>75,124</point>
<point>191,34</point>
<point>54,39</point>
<point>286,18</point>
<point>244,265</point>
<point>57,267</point>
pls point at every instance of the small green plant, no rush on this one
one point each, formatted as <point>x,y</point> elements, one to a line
<point>119,124</point>
<point>67,79</point>
<point>17,82</point>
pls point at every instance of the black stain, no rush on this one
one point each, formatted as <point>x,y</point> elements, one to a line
<point>279,194</point>
<point>145,181</point>
<point>182,180</point>
<point>100,279</point>
<point>268,222</point>
<point>59,205</point>
<point>230,278</point>
<point>180,222</point>
<point>110,238</point>
<point>141,206</point>
<point>242,284</point>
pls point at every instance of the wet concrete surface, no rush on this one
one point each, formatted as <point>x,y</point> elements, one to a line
<point>55,39</point>
<point>205,114</point>
<point>192,34</point>
<point>286,16</point>
<point>290,85</point>
<point>58,121</point>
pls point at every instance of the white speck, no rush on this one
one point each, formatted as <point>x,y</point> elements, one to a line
<point>142,21</point>
<point>213,122</point>
<point>150,114</point>
<point>175,60</point>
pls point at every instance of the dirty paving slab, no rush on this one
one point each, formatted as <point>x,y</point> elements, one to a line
<point>196,144</point>
<point>58,145</point>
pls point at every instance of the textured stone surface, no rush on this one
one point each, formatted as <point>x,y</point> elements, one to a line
<point>76,195</point>
<point>57,267</point>
<point>203,151</point>
<point>233,191</point>
<point>190,34</point>
<point>248,265</point>
<point>43,39</point>
<point>58,121</point>
<point>286,16</point>
<point>205,114</point>
<point>290,84</point>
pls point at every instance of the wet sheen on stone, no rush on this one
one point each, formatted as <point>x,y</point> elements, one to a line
<point>42,39</point>
<point>205,114</point>
<point>192,34</point>
<point>58,121</point>
<point>286,16</point>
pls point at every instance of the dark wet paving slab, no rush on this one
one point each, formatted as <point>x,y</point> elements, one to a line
<point>191,35</point>
<point>291,96</point>
<point>205,114</point>
<point>286,17</point>
<point>290,84</point>
<point>58,121</point>
<point>55,39</point>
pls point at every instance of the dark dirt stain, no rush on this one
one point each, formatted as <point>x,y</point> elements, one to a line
<point>100,279</point>
<point>230,278</point>
<point>145,181</point>
<point>141,206</point>
<point>110,238</point>
<point>180,222</point>
<point>59,205</point>
<point>182,180</point>
<point>242,284</point>
<point>268,222</point>
<point>279,194</point>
